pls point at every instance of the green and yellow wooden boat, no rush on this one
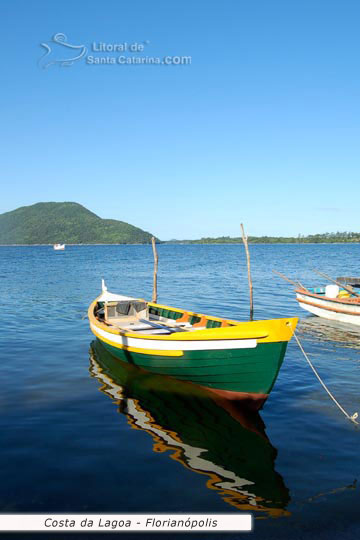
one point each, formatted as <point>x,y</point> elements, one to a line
<point>236,360</point>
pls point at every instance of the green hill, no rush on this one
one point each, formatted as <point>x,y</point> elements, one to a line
<point>66,222</point>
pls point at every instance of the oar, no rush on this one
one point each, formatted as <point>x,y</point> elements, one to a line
<point>351,291</point>
<point>295,283</point>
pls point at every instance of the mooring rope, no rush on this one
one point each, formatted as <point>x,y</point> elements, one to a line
<point>351,418</point>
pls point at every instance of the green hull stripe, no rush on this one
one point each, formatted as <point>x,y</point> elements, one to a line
<point>239,370</point>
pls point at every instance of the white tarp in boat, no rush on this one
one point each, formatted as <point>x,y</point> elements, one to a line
<point>107,296</point>
<point>111,297</point>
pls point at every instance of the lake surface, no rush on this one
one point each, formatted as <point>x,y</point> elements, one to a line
<point>82,433</point>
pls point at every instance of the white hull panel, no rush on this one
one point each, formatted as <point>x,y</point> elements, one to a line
<point>175,345</point>
<point>323,308</point>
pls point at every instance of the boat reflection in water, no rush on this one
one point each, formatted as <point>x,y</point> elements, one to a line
<point>324,330</point>
<point>206,434</point>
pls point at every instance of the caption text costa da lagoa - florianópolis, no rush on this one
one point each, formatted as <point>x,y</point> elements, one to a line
<point>150,522</point>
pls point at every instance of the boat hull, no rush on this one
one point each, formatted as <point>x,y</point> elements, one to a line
<point>245,375</point>
<point>344,311</point>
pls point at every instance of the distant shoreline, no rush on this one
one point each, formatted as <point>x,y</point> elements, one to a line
<point>66,245</point>
<point>196,244</point>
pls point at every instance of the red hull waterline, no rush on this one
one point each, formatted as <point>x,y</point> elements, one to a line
<point>250,400</point>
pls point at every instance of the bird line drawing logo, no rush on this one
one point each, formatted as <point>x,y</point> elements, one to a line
<point>60,52</point>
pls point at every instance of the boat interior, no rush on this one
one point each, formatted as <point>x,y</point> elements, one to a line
<point>137,315</point>
<point>332,291</point>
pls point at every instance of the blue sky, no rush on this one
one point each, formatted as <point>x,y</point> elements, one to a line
<point>261,128</point>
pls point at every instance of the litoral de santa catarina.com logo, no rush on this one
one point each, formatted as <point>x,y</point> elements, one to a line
<point>59,52</point>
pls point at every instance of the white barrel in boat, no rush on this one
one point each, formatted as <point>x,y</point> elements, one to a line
<point>331,291</point>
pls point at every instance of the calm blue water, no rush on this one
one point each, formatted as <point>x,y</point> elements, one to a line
<point>68,445</point>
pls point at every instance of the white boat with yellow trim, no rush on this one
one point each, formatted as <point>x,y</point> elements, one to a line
<point>330,302</point>
<point>59,247</point>
<point>237,360</point>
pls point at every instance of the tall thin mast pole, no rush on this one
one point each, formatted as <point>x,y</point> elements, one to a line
<point>156,260</point>
<point>244,237</point>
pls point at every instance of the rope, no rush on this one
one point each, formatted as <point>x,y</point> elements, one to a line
<point>351,418</point>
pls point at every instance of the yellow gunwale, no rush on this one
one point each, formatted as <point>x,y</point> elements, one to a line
<point>267,331</point>
<point>155,352</point>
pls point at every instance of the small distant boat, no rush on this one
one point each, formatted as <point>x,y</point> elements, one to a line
<point>59,247</point>
<point>330,302</point>
<point>236,360</point>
